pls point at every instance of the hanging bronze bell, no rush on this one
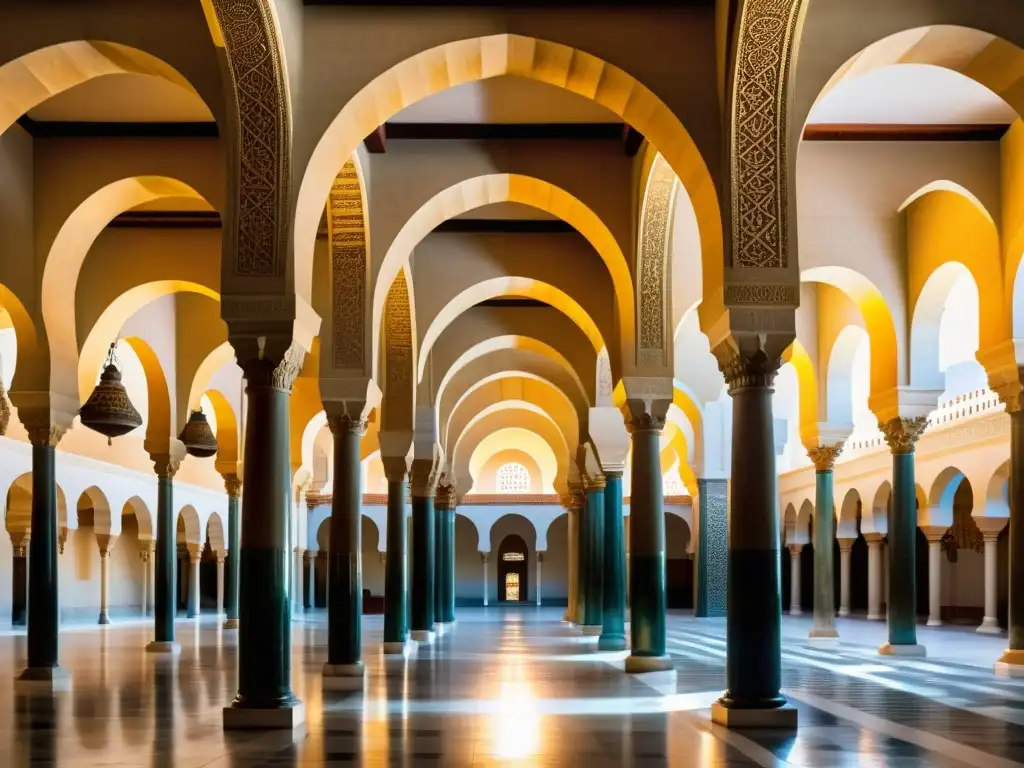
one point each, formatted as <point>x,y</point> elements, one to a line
<point>198,437</point>
<point>108,409</point>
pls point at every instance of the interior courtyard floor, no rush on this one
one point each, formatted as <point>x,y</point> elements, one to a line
<point>515,686</point>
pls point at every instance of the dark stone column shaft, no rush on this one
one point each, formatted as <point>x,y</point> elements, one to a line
<point>824,543</point>
<point>439,560</point>
<point>902,603</point>
<point>613,588</point>
<point>19,584</point>
<point>754,620</point>
<point>264,638</point>
<point>165,569</point>
<point>234,488</point>
<point>423,546</point>
<point>395,573</point>
<point>648,599</point>
<point>593,511</point>
<point>43,597</point>
<point>1016,543</point>
<point>578,500</point>
<point>345,595</point>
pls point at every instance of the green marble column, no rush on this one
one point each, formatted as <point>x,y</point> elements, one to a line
<point>824,458</point>
<point>711,572</point>
<point>165,567</point>
<point>753,667</point>
<point>445,512</point>
<point>1011,663</point>
<point>396,627</point>
<point>648,598</point>
<point>439,558</point>
<point>593,517</point>
<point>265,698</point>
<point>43,596</point>
<point>19,580</point>
<point>902,434</point>
<point>345,557</point>
<point>423,551</point>
<point>613,590</point>
<point>234,488</point>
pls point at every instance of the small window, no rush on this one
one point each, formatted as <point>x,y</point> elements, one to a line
<point>513,478</point>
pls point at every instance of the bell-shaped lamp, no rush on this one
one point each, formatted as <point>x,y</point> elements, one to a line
<point>108,410</point>
<point>197,436</point>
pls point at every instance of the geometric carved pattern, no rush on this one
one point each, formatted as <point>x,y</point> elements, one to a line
<point>760,194</point>
<point>398,360</point>
<point>346,228</point>
<point>655,220</point>
<point>712,549</point>
<point>512,478</point>
<point>262,117</point>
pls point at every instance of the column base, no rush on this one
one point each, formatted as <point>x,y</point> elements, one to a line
<point>231,624</point>
<point>611,643</point>
<point>876,617</point>
<point>844,612</point>
<point>639,664</point>
<point>103,619</point>
<point>252,718</point>
<point>423,636</point>
<point>784,717</point>
<point>795,612</point>
<point>909,651</point>
<point>168,647</point>
<point>591,630</point>
<point>43,680</point>
<point>989,626</point>
<point>823,635</point>
<point>403,648</point>
<point>937,623</point>
<point>1010,664</point>
<point>344,677</point>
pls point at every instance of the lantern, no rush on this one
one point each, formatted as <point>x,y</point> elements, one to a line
<point>108,409</point>
<point>198,437</point>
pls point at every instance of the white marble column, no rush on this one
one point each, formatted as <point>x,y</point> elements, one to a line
<point>845,548</point>
<point>874,541</point>
<point>483,559</point>
<point>794,579</point>
<point>990,624</point>
<point>106,544</point>
<point>220,585</point>
<point>540,560</point>
<point>146,556</point>
<point>934,580</point>
<point>300,574</point>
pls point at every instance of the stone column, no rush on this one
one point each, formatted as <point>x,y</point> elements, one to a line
<point>220,585</point>
<point>1011,663</point>
<point>344,667</point>
<point>613,592</point>
<point>146,556</point>
<point>571,509</point>
<point>990,623</point>
<point>43,597</point>
<point>710,572</point>
<point>440,555</point>
<point>298,606</point>
<point>233,486</point>
<point>195,556</point>
<point>308,584</point>
<point>106,545</point>
<point>484,556</point>
<point>265,698</point>
<point>648,598</point>
<point>753,668</point>
<point>824,458</point>
<point>578,500</point>
<point>874,541</point>
<point>593,516</point>
<point>540,561</point>
<point>396,628</point>
<point>445,511</point>
<point>19,582</point>
<point>166,558</point>
<point>845,548</point>
<point>424,485</point>
<point>795,608</point>
<point>902,434</point>
<point>934,536</point>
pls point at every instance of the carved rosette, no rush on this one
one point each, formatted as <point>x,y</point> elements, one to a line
<point>824,456</point>
<point>165,466</point>
<point>902,434</point>
<point>345,424</point>
<point>233,486</point>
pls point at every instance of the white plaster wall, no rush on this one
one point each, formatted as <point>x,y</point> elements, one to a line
<point>468,568</point>
<point>963,582</point>
<point>373,568</point>
<point>555,571</point>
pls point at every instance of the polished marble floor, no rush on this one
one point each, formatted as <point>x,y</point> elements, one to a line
<point>514,686</point>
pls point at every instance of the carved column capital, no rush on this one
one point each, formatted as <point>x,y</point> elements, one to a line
<point>485,557</point>
<point>165,465</point>
<point>424,477</point>
<point>756,370</point>
<point>347,424</point>
<point>62,537</point>
<point>19,542</point>
<point>396,468</point>
<point>105,542</point>
<point>263,370</point>
<point>445,497</point>
<point>44,433</point>
<point>795,549</point>
<point>824,456</point>
<point>902,434</point>
<point>233,485</point>
<point>595,482</point>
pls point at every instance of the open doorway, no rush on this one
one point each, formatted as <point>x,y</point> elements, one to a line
<point>513,567</point>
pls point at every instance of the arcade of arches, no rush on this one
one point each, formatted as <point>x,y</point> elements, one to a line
<point>537,332</point>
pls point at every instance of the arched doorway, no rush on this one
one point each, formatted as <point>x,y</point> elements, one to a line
<point>513,569</point>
